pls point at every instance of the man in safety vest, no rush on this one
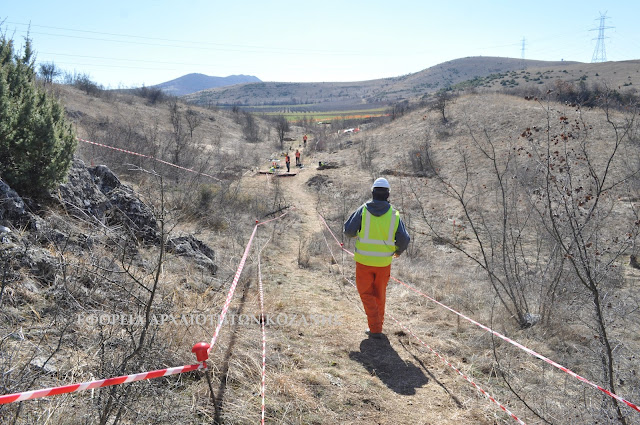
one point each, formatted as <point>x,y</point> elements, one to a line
<point>381,235</point>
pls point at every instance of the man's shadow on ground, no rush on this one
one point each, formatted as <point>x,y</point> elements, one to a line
<point>381,360</point>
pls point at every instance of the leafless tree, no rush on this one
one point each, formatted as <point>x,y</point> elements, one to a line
<point>368,150</point>
<point>250,128</point>
<point>420,159</point>
<point>579,206</point>
<point>490,215</point>
<point>142,287</point>
<point>550,230</point>
<point>178,135</point>
<point>442,99</point>
<point>49,71</point>
<point>282,127</point>
<point>194,119</point>
<point>399,109</point>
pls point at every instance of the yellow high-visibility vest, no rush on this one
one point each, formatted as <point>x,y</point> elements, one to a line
<point>376,239</point>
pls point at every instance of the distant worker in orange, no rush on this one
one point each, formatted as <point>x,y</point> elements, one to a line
<point>381,236</point>
<point>287,161</point>
<point>304,139</point>
<point>298,163</point>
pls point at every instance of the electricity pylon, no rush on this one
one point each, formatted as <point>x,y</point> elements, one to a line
<point>600,54</point>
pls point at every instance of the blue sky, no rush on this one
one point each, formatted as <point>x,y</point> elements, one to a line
<point>130,43</point>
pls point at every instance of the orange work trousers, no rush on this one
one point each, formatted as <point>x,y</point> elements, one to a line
<point>372,286</point>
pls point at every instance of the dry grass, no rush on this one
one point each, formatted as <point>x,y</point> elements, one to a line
<point>497,74</point>
<point>331,373</point>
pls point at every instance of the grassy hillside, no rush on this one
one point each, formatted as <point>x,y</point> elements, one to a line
<point>387,90</point>
<point>623,76</point>
<point>478,73</point>
<point>523,216</point>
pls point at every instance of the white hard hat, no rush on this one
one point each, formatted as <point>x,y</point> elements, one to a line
<point>381,182</point>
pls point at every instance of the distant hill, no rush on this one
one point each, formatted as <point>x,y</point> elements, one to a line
<point>480,73</point>
<point>192,83</point>
<point>371,92</point>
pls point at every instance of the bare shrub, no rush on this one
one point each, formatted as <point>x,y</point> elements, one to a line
<point>153,95</point>
<point>250,128</point>
<point>398,109</point>
<point>443,99</point>
<point>419,159</point>
<point>548,227</point>
<point>84,83</point>
<point>368,150</point>
<point>282,127</point>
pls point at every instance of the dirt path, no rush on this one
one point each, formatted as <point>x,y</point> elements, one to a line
<point>341,376</point>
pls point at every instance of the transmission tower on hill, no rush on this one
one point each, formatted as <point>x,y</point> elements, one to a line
<point>600,54</point>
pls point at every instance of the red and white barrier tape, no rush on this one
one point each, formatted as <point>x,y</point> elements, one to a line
<point>28,395</point>
<point>223,313</point>
<point>264,334</point>
<point>525,349</point>
<point>332,234</point>
<point>232,290</point>
<point>264,342</point>
<point>262,223</point>
<point>263,383</point>
<point>149,157</point>
<point>509,340</point>
<point>477,387</point>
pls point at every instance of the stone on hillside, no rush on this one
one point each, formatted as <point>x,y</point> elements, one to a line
<point>190,247</point>
<point>12,208</point>
<point>128,209</point>
<point>327,165</point>
<point>97,192</point>
<point>104,178</point>
<point>40,263</point>
<point>80,196</point>
<point>45,364</point>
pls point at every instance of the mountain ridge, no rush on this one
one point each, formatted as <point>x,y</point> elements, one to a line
<point>479,72</point>
<point>390,89</point>
<point>194,82</point>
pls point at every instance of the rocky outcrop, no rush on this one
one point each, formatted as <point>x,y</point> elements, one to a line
<point>39,262</point>
<point>319,182</point>
<point>127,208</point>
<point>104,178</point>
<point>190,247</point>
<point>97,192</point>
<point>80,196</point>
<point>91,194</point>
<point>12,207</point>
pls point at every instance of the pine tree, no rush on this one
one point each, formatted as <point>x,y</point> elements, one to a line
<point>36,141</point>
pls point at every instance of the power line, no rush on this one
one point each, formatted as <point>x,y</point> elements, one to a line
<point>599,54</point>
<point>125,59</point>
<point>178,43</point>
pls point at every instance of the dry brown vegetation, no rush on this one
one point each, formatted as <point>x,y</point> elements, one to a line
<point>482,73</point>
<point>493,213</point>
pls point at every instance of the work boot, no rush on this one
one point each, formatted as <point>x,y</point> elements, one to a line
<point>374,335</point>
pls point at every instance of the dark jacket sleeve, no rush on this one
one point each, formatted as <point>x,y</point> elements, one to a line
<point>352,225</point>
<point>402,238</point>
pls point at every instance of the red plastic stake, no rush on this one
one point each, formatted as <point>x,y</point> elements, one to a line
<point>201,351</point>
